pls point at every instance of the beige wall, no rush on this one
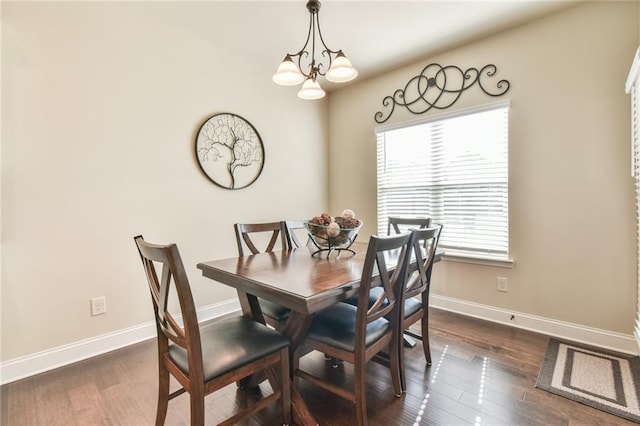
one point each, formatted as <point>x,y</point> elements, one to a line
<point>97,98</point>
<point>571,215</point>
<point>100,106</point>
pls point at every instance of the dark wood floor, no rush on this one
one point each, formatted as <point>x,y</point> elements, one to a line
<point>482,374</point>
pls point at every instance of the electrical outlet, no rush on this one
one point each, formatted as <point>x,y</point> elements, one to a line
<point>98,306</point>
<point>501,284</point>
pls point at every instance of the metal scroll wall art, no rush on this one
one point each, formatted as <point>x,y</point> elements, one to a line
<point>440,87</point>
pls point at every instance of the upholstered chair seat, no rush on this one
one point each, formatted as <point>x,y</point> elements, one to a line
<point>228,345</point>
<point>336,326</point>
<point>277,313</point>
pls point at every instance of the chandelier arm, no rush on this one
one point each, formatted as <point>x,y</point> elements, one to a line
<point>326,52</point>
<point>303,51</point>
<point>314,19</point>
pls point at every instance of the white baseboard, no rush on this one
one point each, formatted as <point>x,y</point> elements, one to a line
<point>577,333</point>
<point>40,362</point>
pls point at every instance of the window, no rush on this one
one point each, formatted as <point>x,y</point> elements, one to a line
<point>633,87</point>
<point>452,168</point>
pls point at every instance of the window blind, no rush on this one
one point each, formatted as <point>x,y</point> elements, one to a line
<point>633,87</point>
<point>454,169</point>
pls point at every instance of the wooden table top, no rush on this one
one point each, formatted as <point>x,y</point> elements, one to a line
<point>294,279</point>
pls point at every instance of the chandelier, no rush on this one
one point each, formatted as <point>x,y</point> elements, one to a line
<point>332,64</point>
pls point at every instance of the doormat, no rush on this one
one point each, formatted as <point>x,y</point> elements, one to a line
<point>604,380</point>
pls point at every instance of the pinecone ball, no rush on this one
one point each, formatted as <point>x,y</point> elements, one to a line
<point>347,223</point>
<point>351,223</point>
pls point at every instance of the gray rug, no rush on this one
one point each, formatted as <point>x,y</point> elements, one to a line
<point>603,380</point>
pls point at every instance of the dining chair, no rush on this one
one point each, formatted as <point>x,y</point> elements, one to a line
<point>204,359</point>
<point>294,228</point>
<point>269,236</point>
<point>417,287</point>
<point>355,334</point>
<point>396,225</point>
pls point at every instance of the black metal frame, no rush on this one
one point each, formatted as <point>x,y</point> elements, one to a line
<point>315,68</point>
<point>330,248</point>
<point>417,98</point>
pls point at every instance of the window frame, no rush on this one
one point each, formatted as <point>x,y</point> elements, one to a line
<point>500,260</point>
<point>632,87</point>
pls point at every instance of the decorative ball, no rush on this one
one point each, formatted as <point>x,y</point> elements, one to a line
<point>333,229</point>
<point>325,219</point>
<point>348,214</point>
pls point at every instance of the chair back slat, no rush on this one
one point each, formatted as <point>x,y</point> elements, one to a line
<point>425,244</point>
<point>385,301</point>
<point>165,284</point>
<point>152,278</point>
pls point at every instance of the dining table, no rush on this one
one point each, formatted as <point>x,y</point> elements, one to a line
<point>297,279</point>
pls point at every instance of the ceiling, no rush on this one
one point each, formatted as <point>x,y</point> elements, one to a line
<point>375,35</point>
<point>380,35</point>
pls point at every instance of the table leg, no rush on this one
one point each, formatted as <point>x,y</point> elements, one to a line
<point>300,413</point>
<point>250,306</point>
<point>295,329</point>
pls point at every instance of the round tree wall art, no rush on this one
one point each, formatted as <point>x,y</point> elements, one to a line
<point>229,151</point>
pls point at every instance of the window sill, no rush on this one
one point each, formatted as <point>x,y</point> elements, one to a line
<point>478,260</point>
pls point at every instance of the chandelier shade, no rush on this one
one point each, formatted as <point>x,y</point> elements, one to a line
<point>304,67</point>
<point>311,90</point>
<point>341,70</point>
<point>288,73</point>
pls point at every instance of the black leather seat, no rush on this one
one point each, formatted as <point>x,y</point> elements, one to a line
<point>336,326</point>
<point>275,314</point>
<point>230,344</point>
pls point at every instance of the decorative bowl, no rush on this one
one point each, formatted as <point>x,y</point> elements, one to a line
<point>331,237</point>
